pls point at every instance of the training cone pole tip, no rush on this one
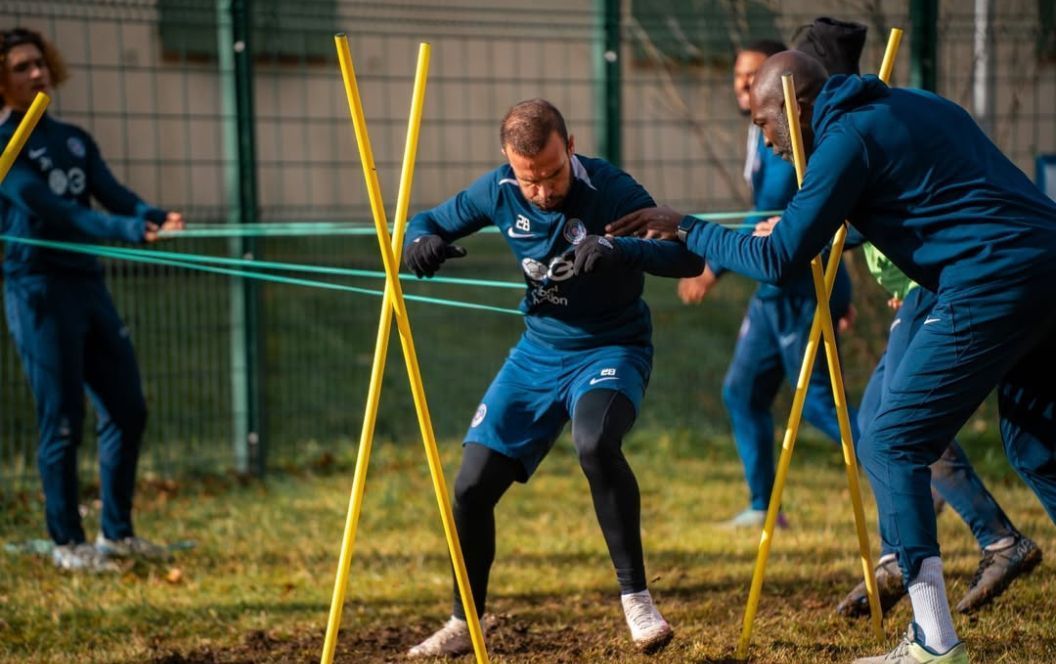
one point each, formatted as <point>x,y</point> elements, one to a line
<point>22,131</point>
<point>407,342</point>
<point>823,285</point>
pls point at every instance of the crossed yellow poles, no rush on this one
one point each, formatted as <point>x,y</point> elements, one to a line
<point>393,305</point>
<point>821,328</point>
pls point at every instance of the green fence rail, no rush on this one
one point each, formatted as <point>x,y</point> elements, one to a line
<point>172,109</point>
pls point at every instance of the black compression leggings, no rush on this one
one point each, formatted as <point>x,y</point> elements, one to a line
<point>601,420</point>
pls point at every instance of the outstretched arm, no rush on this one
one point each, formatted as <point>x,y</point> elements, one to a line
<point>465,213</point>
<point>836,177</point>
<point>430,233</point>
<point>25,188</point>
<point>664,258</point>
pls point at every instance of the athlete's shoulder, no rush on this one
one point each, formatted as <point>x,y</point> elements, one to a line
<point>600,174</point>
<point>486,190</point>
<point>62,127</point>
<point>503,176</point>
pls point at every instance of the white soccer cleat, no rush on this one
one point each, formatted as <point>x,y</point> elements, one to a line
<point>649,631</point>
<point>451,640</point>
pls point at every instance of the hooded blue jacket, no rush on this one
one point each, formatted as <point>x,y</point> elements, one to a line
<point>918,178</point>
<point>47,196</point>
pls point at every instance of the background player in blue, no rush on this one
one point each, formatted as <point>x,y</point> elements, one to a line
<point>60,314</point>
<point>918,178</point>
<point>585,355</point>
<point>773,336</point>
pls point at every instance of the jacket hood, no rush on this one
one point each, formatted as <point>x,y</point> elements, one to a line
<point>843,93</point>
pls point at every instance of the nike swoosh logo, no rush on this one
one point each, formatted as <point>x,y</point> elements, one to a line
<point>33,154</point>
<point>929,321</point>
<point>787,340</point>
<point>518,236</point>
<point>898,321</point>
<point>595,381</point>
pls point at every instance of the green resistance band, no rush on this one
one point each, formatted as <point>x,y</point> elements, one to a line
<point>123,254</point>
<point>329,228</point>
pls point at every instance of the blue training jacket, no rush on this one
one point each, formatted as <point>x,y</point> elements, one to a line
<point>565,311</point>
<point>47,196</point>
<point>915,174</point>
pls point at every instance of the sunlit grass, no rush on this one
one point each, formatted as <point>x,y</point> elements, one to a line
<point>257,586</point>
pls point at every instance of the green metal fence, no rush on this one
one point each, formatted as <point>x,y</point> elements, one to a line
<point>232,111</point>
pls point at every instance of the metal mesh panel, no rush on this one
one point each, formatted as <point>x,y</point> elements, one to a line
<point>157,111</point>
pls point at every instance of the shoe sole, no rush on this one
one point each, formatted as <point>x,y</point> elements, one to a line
<point>1029,565</point>
<point>656,644</point>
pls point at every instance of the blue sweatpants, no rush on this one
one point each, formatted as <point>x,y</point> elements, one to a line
<point>71,340</point>
<point>999,335</point>
<point>770,348</point>
<point>952,476</point>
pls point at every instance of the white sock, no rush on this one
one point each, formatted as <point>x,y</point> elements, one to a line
<point>1002,543</point>
<point>931,609</point>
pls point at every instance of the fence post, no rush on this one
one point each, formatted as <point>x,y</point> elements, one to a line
<point>924,17</point>
<point>236,90</point>
<point>607,77</point>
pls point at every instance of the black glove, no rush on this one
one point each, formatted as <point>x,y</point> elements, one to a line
<point>595,252</point>
<point>427,253</point>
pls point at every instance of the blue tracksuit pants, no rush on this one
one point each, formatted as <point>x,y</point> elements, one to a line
<point>952,476</point>
<point>770,348</point>
<point>71,340</point>
<point>1001,334</point>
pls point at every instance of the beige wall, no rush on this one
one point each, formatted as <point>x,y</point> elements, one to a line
<point>159,121</point>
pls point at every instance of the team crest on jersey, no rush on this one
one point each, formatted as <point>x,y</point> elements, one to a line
<point>478,417</point>
<point>575,231</point>
<point>76,147</point>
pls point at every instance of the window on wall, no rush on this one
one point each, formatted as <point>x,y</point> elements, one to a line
<point>282,30</point>
<point>699,31</point>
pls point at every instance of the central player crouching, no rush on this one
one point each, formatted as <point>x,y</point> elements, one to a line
<point>585,355</point>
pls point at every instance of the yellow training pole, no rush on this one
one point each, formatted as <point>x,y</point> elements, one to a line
<point>888,65</point>
<point>381,350</point>
<point>832,355</point>
<point>22,132</point>
<point>795,417</point>
<point>407,342</point>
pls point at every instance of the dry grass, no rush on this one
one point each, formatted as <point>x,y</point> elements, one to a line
<point>257,587</point>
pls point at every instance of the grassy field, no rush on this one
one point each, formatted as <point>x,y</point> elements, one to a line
<point>257,586</point>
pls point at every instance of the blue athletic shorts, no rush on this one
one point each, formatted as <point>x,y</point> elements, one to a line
<point>536,390</point>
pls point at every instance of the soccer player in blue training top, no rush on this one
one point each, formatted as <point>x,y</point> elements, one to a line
<point>60,314</point>
<point>918,178</point>
<point>585,355</point>
<point>773,335</point>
